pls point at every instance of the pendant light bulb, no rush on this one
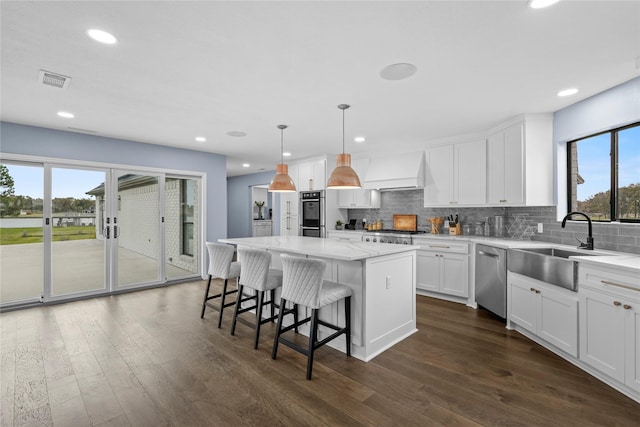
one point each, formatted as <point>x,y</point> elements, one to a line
<point>343,176</point>
<point>282,182</point>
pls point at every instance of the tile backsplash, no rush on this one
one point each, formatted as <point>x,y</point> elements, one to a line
<point>609,236</point>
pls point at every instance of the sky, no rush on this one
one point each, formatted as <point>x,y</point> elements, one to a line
<point>29,181</point>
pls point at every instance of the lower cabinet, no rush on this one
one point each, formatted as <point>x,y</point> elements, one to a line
<point>289,225</point>
<point>443,267</point>
<point>610,324</point>
<point>545,310</point>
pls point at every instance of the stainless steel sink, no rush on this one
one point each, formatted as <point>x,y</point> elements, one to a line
<point>550,265</point>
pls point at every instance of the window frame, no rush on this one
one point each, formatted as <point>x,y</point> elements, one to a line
<point>613,170</point>
<point>184,187</point>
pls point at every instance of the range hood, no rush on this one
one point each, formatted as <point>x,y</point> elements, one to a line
<point>396,172</point>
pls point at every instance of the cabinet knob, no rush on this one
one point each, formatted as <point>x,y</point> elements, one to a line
<point>537,291</point>
<point>532,289</point>
<point>627,307</point>
<point>503,200</point>
<point>617,303</point>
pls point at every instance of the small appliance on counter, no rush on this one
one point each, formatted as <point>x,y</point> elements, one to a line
<point>351,225</point>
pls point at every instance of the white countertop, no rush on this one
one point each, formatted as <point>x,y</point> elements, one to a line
<point>620,260</point>
<point>323,248</point>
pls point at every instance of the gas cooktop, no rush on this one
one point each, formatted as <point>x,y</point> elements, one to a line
<point>392,231</point>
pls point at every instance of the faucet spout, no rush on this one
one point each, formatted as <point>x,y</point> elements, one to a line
<point>589,244</point>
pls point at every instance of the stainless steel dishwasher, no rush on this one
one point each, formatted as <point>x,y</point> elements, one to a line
<point>491,279</point>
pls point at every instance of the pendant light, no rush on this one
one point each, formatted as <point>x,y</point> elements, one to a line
<point>343,176</point>
<point>282,182</point>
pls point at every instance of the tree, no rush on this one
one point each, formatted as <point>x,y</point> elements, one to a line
<point>7,186</point>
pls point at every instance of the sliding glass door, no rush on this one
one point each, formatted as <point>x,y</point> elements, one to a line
<point>78,249</point>
<point>21,233</point>
<point>69,231</point>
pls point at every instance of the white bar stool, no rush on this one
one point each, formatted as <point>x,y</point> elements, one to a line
<point>302,284</point>
<point>221,266</point>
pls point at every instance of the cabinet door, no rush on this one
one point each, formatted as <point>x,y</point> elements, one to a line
<point>318,174</point>
<point>514,164</point>
<point>602,333</point>
<point>289,225</point>
<point>470,173</point>
<point>632,344</point>
<point>346,198</point>
<point>455,275</point>
<point>305,176</point>
<point>523,306</point>
<point>427,271</point>
<point>558,322</point>
<point>438,189</point>
<point>495,169</point>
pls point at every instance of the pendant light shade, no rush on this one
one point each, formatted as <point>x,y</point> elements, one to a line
<point>282,182</point>
<point>343,176</point>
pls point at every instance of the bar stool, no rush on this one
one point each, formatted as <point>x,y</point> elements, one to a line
<point>221,266</point>
<point>256,275</point>
<point>302,284</point>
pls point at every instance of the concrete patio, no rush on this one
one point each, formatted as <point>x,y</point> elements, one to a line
<point>78,266</point>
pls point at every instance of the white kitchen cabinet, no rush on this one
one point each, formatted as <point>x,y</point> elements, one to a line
<point>610,323</point>
<point>359,198</point>
<point>548,311</point>
<point>520,162</point>
<point>456,174</point>
<point>442,267</point>
<point>262,228</point>
<point>289,225</point>
<point>289,207</point>
<point>312,175</point>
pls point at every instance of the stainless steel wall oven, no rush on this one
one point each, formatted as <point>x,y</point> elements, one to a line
<point>312,213</point>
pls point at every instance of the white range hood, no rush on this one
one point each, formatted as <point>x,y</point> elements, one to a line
<point>396,172</point>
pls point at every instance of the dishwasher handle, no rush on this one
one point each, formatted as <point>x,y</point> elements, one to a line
<point>488,254</point>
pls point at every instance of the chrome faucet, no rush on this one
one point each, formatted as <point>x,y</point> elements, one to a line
<point>589,244</point>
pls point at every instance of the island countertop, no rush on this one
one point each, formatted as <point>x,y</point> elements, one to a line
<point>324,248</point>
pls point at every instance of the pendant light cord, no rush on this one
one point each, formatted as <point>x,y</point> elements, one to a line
<point>281,145</point>
<point>343,131</point>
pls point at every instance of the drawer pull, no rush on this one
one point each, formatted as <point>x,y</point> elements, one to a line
<point>439,246</point>
<point>537,291</point>
<point>626,307</point>
<point>532,289</point>
<point>606,282</point>
<point>617,303</point>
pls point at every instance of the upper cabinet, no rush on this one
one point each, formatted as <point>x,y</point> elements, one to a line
<point>312,175</point>
<point>520,162</point>
<point>361,197</point>
<point>456,174</point>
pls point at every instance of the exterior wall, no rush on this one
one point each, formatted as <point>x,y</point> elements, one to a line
<point>173,228</point>
<point>138,217</point>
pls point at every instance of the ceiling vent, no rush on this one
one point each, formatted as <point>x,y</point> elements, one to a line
<point>48,78</point>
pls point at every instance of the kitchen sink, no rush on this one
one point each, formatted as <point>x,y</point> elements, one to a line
<point>550,265</point>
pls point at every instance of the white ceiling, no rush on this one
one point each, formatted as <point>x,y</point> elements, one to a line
<point>184,69</point>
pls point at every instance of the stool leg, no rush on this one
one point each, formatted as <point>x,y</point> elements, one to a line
<point>260,298</point>
<point>347,316</point>
<point>206,294</point>
<point>295,317</point>
<point>273,303</point>
<point>313,334</point>
<point>274,351</point>
<point>224,294</point>
<point>236,308</point>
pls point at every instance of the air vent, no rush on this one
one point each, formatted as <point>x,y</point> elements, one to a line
<point>48,78</point>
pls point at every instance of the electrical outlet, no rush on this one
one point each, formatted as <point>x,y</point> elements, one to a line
<point>539,227</point>
<point>388,282</point>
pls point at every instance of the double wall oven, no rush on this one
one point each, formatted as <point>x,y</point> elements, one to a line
<point>312,213</point>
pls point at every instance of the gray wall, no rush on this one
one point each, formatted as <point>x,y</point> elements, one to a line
<point>239,209</point>
<point>36,141</point>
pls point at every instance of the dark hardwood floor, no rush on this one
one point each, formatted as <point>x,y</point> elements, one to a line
<point>147,359</point>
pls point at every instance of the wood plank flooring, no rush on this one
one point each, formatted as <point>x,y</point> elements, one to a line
<point>147,359</point>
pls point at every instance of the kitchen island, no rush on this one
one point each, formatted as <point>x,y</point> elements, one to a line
<point>382,278</point>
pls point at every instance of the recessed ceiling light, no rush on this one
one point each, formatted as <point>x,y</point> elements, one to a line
<point>359,139</point>
<point>66,114</point>
<point>539,4</point>
<point>201,138</point>
<point>102,36</point>
<point>286,154</point>
<point>398,71</point>
<point>568,92</point>
<point>245,165</point>
<point>237,133</point>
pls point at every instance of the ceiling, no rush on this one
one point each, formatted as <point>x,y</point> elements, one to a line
<point>185,69</point>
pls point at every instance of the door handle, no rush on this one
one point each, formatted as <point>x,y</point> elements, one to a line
<point>116,232</point>
<point>487,254</point>
<point>105,232</point>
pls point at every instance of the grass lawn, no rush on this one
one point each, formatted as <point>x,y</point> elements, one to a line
<point>15,236</point>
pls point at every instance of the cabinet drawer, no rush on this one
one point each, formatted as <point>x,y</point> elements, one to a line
<point>610,281</point>
<point>442,245</point>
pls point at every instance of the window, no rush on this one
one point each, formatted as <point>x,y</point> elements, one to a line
<point>604,175</point>
<point>187,197</point>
